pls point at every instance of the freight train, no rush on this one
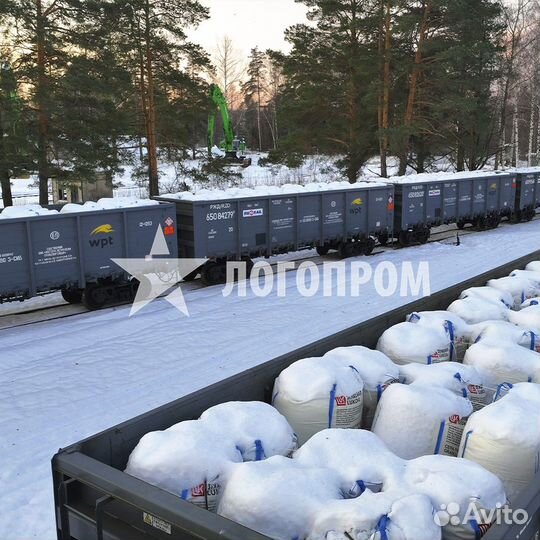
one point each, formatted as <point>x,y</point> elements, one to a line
<point>73,253</point>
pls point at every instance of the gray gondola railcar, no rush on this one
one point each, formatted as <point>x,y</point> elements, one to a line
<point>527,194</point>
<point>72,252</point>
<point>348,220</point>
<point>481,199</point>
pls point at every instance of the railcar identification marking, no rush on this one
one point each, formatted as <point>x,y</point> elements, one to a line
<point>157,523</point>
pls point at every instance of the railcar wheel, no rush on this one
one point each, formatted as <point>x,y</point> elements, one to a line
<point>423,236</point>
<point>531,214</point>
<point>94,297</point>
<point>383,239</point>
<point>347,250</point>
<point>369,246</point>
<point>460,225</point>
<point>214,273</point>
<point>404,238</point>
<point>322,250</point>
<point>72,296</point>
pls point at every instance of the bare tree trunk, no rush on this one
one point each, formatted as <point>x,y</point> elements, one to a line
<point>259,128</point>
<point>386,88</point>
<point>531,124</point>
<point>515,136</point>
<point>413,85</point>
<point>151,138</point>
<point>4,172</point>
<point>43,120</point>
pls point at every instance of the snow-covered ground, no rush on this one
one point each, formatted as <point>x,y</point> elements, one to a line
<point>64,380</point>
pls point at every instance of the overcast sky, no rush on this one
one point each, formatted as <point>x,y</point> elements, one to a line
<point>248,23</point>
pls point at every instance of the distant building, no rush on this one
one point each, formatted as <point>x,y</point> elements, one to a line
<point>78,191</point>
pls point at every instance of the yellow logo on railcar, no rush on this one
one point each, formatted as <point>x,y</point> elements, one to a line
<point>102,229</point>
<point>358,202</point>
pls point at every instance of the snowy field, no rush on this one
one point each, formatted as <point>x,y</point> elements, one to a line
<point>65,380</point>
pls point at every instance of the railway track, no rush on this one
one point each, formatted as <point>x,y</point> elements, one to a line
<point>61,310</point>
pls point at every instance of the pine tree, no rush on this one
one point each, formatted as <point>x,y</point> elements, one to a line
<point>153,45</point>
<point>254,87</point>
<point>330,100</point>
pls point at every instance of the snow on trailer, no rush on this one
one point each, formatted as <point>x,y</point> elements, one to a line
<point>93,495</point>
<point>242,223</point>
<point>426,200</point>
<point>42,250</point>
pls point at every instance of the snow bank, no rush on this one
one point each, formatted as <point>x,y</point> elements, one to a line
<point>422,343</point>
<point>506,331</point>
<point>441,177</point>
<point>316,393</point>
<point>474,310</point>
<point>124,202</point>
<point>376,370</point>
<point>373,516</point>
<point>528,317</point>
<point>489,294</point>
<point>188,460</point>
<point>258,430</point>
<point>416,420</point>
<point>460,329</point>
<point>520,288</point>
<point>503,362</point>
<point>505,437</point>
<point>450,481</point>
<point>359,457</point>
<point>462,380</point>
<point>261,191</point>
<point>278,497</point>
<point>72,208</point>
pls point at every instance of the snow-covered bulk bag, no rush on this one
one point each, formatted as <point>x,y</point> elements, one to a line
<point>506,331</point>
<point>257,429</point>
<point>376,516</point>
<point>500,362</point>
<point>534,266</point>
<point>408,342</point>
<point>376,370</point>
<point>531,302</point>
<point>489,294</point>
<point>278,497</point>
<point>474,309</point>
<point>504,437</point>
<point>459,328</point>
<point>462,380</point>
<point>417,420</point>
<point>359,457</point>
<point>527,274</point>
<point>190,461</point>
<point>519,287</point>
<point>528,317</point>
<point>316,393</point>
<point>457,488</point>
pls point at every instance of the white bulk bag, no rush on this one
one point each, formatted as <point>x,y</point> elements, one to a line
<point>408,342</point>
<point>460,329</point>
<point>417,420</point>
<point>503,362</point>
<point>375,516</point>
<point>520,288</point>
<point>359,457</point>
<point>257,429</point>
<point>316,393</point>
<point>531,302</point>
<point>376,370</point>
<point>189,461</point>
<point>527,274</point>
<point>473,309</point>
<point>457,484</point>
<point>277,497</point>
<point>462,380</point>
<point>489,294</point>
<point>534,266</point>
<point>506,331</point>
<point>504,437</point>
<point>528,317</point>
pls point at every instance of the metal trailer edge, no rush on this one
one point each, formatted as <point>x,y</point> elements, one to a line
<point>95,499</point>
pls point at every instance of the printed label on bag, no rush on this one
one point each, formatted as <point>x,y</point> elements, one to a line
<point>453,430</point>
<point>348,413</point>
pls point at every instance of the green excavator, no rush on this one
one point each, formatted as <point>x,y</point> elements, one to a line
<point>233,147</point>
